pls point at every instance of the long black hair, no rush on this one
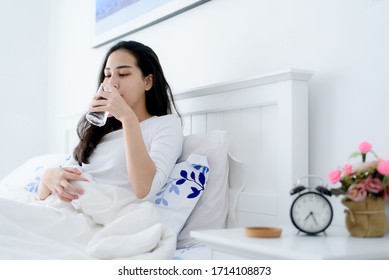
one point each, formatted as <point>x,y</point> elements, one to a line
<point>159,99</point>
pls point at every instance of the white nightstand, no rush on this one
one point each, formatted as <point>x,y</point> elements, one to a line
<point>337,244</point>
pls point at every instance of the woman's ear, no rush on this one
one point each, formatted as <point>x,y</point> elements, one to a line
<point>148,82</point>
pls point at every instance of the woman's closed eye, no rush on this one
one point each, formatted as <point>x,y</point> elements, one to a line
<point>124,72</point>
<point>119,74</point>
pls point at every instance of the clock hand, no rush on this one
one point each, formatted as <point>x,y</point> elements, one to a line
<point>313,216</point>
<point>310,214</point>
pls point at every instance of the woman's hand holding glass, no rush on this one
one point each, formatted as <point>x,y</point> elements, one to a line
<point>112,101</point>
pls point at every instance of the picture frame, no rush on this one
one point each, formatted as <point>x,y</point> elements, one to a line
<point>117,18</point>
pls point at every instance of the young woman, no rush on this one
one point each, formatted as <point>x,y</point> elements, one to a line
<point>142,139</point>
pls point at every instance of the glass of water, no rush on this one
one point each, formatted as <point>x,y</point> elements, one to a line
<point>98,118</point>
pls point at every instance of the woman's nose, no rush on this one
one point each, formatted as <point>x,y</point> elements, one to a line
<point>113,83</point>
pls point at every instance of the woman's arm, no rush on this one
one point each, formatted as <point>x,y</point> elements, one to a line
<point>140,167</point>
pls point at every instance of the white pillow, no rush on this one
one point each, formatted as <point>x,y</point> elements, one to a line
<point>185,185</point>
<point>212,208</point>
<point>28,175</point>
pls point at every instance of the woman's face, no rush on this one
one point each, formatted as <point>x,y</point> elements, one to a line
<point>122,72</point>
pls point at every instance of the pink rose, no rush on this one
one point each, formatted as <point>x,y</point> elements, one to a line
<point>373,185</point>
<point>357,192</point>
<point>347,169</point>
<point>383,167</point>
<point>364,147</point>
<point>334,176</point>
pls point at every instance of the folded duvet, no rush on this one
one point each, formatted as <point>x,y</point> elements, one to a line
<point>107,222</point>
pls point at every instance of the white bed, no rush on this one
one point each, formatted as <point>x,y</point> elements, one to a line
<point>254,133</point>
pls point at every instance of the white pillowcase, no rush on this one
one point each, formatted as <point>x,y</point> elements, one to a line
<point>185,185</point>
<point>212,208</point>
<point>28,175</point>
<point>32,170</point>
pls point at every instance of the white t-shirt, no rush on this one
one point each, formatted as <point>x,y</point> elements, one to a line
<point>163,139</point>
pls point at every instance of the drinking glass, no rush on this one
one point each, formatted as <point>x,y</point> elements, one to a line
<point>98,118</point>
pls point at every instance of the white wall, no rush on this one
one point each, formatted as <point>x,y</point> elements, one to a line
<point>23,79</point>
<point>345,42</point>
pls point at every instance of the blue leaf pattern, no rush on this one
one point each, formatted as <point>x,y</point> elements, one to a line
<point>175,189</point>
<point>33,186</point>
<point>203,169</point>
<point>173,185</point>
<point>184,174</point>
<point>181,181</point>
<point>202,178</point>
<point>195,193</point>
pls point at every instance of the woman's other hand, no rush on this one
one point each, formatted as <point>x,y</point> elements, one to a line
<point>58,181</point>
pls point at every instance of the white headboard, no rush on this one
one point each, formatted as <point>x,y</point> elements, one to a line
<point>266,118</point>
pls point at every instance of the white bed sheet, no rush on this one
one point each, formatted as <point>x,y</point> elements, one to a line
<point>199,252</point>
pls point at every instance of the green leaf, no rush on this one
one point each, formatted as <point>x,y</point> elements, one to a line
<point>355,154</point>
<point>337,192</point>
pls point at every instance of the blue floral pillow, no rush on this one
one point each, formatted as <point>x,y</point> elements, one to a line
<point>177,198</point>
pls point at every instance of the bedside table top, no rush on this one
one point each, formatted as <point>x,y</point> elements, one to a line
<point>337,244</point>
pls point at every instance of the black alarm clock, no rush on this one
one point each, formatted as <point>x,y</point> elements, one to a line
<point>311,212</point>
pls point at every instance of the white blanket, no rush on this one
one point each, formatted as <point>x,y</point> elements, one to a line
<point>107,222</point>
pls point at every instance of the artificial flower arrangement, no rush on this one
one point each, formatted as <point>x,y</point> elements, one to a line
<point>366,179</point>
<point>365,187</point>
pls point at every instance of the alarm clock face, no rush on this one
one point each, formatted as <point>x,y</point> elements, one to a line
<point>311,213</point>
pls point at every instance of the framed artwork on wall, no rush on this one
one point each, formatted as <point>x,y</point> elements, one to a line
<point>116,18</point>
